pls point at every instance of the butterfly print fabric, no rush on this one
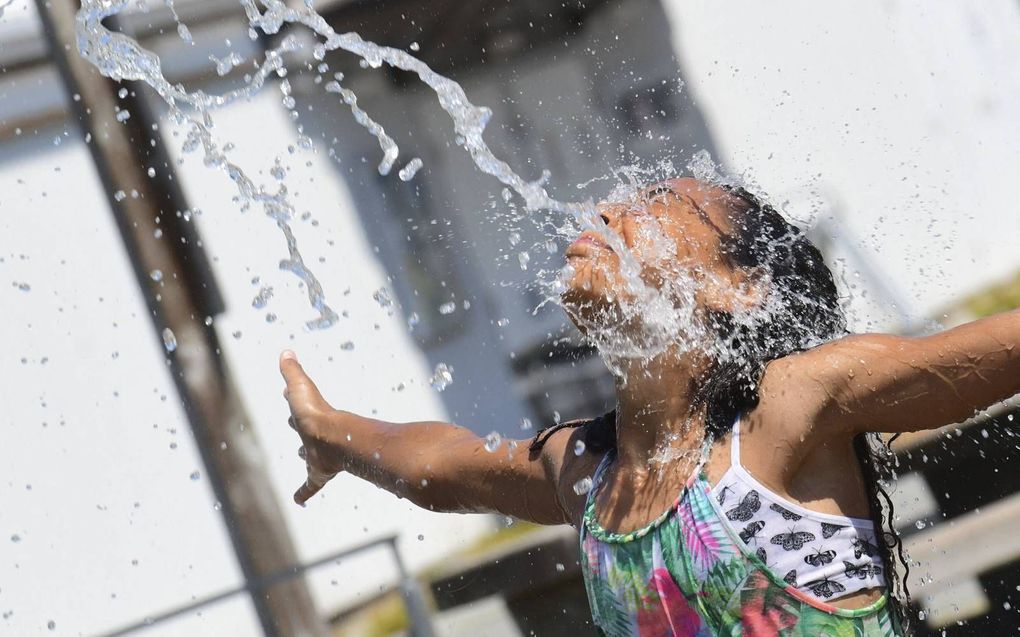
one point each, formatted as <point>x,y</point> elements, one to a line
<point>748,506</point>
<point>824,556</point>
<point>820,558</point>
<point>792,541</point>
<point>786,513</point>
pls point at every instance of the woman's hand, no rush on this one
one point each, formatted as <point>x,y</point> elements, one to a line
<point>313,419</point>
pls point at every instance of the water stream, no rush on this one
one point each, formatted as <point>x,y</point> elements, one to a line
<point>120,57</point>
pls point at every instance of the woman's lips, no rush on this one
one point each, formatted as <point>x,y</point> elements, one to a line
<point>585,243</point>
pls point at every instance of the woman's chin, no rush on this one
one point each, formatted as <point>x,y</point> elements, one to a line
<point>588,309</point>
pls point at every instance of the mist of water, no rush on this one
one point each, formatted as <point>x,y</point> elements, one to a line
<point>665,315</point>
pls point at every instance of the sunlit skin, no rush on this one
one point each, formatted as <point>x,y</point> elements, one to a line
<point>797,441</point>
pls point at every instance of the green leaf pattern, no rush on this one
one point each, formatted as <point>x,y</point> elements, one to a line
<point>720,587</point>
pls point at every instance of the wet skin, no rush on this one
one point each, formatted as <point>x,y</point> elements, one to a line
<point>798,441</point>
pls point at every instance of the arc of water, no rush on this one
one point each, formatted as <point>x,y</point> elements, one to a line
<point>121,57</point>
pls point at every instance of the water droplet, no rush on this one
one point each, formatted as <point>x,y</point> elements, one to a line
<point>382,297</point>
<point>120,195</point>
<point>262,298</point>
<point>151,172</point>
<point>420,537</point>
<point>579,448</point>
<point>919,524</point>
<point>347,346</point>
<point>408,172</point>
<point>156,275</point>
<point>195,475</point>
<point>503,322</point>
<point>184,33</point>
<point>583,485</point>
<point>169,340</point>
<point>270,317</point>
<point>122,93</point>
<point>560,567</point>
<point>492,441</point>
<point>441,377</point>
<point>526,424</point>
<point>415,46</point>
<point>447,308</point>
<point>413,320</point>
<point>523,258</point>
<point>52,625</point>
<point>15,538</point>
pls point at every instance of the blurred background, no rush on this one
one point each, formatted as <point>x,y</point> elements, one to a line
<point>147,477</point>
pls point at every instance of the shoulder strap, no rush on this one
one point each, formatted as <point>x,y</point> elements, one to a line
<point>735,443</point>
<point>600,471</point>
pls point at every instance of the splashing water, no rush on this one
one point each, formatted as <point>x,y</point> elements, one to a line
<point>666,315</point>
<point>492,441</point>
<point>122,58</point>
<point>442,377</point>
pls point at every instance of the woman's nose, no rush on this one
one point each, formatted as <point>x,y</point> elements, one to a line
<point>607,213</point>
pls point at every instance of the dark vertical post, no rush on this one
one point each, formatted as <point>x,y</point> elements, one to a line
<point>151,216</point>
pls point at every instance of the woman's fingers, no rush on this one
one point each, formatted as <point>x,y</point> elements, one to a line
<point>313,484</point>
<point>304,492</point>
<point>298,382</point>
<point>306,405</point>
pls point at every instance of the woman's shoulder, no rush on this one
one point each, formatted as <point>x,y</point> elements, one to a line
<point>572,451</point>
<point>821,357</point>
<point>809,380</point>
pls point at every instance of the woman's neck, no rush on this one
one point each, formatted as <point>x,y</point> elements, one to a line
<point>656,416</point>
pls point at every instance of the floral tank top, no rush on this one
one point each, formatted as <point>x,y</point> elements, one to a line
<point>688,574</point>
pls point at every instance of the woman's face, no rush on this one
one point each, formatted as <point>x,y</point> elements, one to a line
<point>673,230</point>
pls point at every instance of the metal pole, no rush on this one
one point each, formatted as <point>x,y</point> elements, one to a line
<point>270,580</point>
<point>417,608</point>
<point>151,216</point>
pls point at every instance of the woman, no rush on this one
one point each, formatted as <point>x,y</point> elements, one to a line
<point>733,490</point>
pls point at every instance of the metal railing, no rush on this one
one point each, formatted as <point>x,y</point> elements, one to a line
<point>417,608</point>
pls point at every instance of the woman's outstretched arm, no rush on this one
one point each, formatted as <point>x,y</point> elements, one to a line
<point>438,466</point>
<point>888,383</point>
